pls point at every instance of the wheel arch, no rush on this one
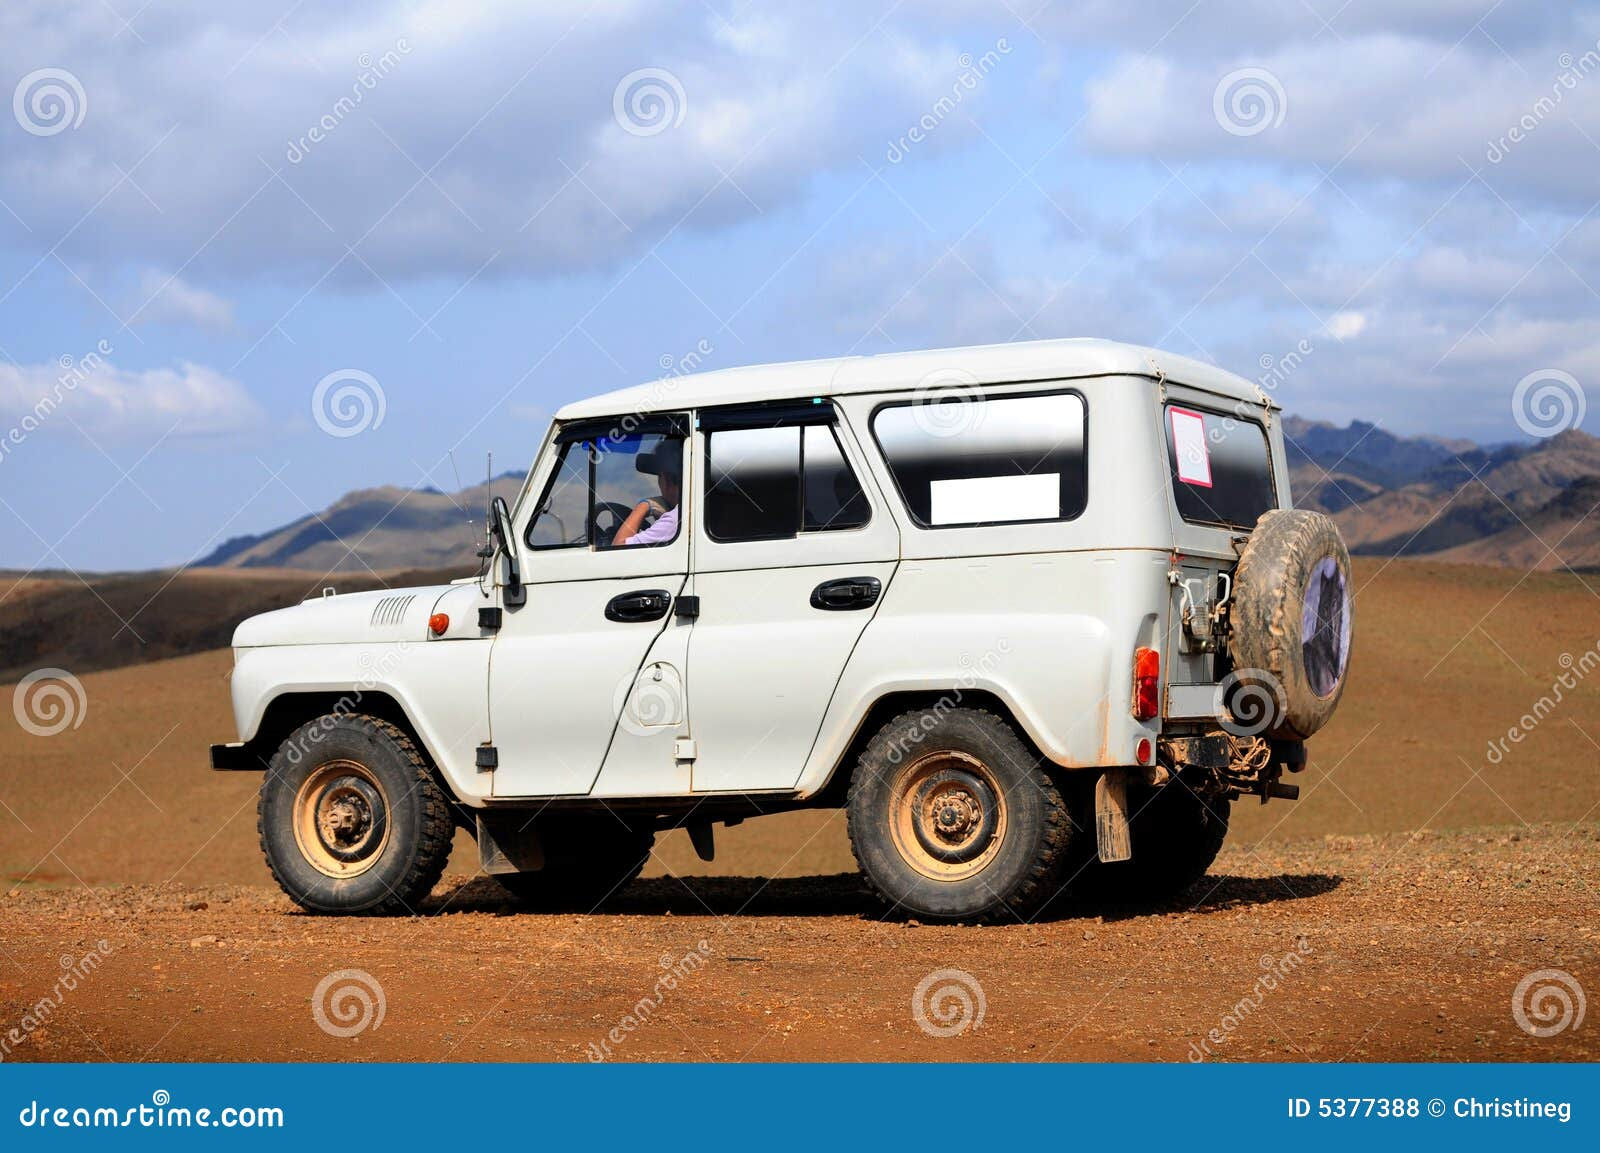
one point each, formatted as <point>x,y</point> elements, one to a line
<point>836,786</point>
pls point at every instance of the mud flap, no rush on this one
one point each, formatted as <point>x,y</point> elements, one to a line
<point>1111,816</point>
<point>508,845</point>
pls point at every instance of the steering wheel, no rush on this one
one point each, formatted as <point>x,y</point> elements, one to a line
<point>601,533</point>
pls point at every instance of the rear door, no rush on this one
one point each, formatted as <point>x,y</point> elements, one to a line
<point>792,552</point>
<point>1219,459</point>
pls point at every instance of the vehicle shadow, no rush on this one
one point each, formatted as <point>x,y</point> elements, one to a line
<point>845,895</point>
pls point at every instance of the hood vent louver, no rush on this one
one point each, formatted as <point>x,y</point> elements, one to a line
<point>391,610</point>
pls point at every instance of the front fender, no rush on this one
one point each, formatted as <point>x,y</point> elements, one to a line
<point>441,686</point>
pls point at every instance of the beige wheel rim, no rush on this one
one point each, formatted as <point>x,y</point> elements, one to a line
<point>341,819</point>
<point>947,815</point>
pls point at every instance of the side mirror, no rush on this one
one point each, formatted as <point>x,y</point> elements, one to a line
<point>500,527</point>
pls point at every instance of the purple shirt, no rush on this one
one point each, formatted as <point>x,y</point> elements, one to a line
<point>664,529</point>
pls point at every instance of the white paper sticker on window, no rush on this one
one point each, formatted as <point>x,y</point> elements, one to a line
<point>980,499</point>
<point>1189,446</point>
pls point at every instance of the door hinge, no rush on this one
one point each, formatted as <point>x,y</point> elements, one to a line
<point>489,617</point>
<point>488,758</point>
<point>688,608</point>
<point>683,749</point>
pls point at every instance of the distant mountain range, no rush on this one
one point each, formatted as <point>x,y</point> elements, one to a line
<point>1521,505</point>
<point>1525,506</point>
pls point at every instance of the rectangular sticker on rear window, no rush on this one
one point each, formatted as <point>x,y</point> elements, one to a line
<point>1189,447</point>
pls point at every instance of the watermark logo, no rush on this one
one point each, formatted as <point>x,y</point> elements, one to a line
<point>348,402</point>
<point>1547,1002</point>
<point>1548,402</point>
<point>948,1003</point>
<point>649,702</point>
<point>49,701</point>
<point>948,402</point>
<point>348,1002</point>
<point>1274,972</point>
<point>49,101</point>
<point>648,101</point>
<point>1248,101</point>
<point>1250,701</point>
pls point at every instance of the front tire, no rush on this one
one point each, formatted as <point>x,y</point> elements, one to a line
<point>952,818</point>
<point>351,819</point>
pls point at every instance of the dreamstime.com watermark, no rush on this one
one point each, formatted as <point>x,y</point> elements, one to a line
<point>1573,72</point>
<point>1577,668</point>
<point>973,70</point>
<point>971,672</point>
<point>372,71</point>
<point>39,1015</point>
<point>160,1113</point>
<point>1547,1002</point>
<point>373,674</point>
<point>74,371</point>
<point>948,1002</point>
<point>673,970</point>
<point>1276,970</point>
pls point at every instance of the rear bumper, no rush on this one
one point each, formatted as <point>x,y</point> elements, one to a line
<point>235,757</point>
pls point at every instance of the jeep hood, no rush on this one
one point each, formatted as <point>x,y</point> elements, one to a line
<point>353,618</point>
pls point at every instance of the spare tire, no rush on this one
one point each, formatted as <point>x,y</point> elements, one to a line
<point>1291,621</point>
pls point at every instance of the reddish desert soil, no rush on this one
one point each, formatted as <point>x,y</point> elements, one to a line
<point>1406,948</point>
<point>116,830</point>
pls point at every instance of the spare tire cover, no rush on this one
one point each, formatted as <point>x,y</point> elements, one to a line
<point>1291,622</point>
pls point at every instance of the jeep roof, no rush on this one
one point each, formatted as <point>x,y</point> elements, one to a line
<point>980,364</point>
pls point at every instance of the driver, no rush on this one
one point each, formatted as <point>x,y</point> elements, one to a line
<point>665,510</point>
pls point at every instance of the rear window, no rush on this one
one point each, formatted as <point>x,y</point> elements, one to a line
<point>1221,467</point>
<point>974,460</point>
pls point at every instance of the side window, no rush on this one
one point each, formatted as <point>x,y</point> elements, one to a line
<point>777,482</point>
<point>991,460</point>
<point>598,483</point>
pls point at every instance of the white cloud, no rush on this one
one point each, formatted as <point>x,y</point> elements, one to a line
<point>442,140</point>
<point>1346,325</point>
<point>94,395</point>
<point>172,299</point>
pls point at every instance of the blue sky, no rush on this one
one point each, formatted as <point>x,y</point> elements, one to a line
<point>505,207</point>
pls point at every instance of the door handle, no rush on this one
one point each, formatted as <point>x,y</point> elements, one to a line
<point>847,593</point>
<point>641,605</point>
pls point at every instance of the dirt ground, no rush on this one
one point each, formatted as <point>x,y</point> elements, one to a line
<point>1391,948</point>
<point>1413,943</point>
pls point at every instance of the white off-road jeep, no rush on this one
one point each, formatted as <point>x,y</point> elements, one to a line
<point>1033,614</point>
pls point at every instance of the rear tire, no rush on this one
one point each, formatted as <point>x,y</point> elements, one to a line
<point>588,859</point>
<point>1175,833</point>
<point>351,819</point>
<point>952,818</point>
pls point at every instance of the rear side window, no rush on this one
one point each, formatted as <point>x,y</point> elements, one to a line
<point>1221,467</point>
<point>777,482</point>
<point>971,460</point>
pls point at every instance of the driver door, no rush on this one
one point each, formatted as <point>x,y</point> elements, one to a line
<point>566,659</point>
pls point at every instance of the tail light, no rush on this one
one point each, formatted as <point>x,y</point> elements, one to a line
<point>1146,683</point>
